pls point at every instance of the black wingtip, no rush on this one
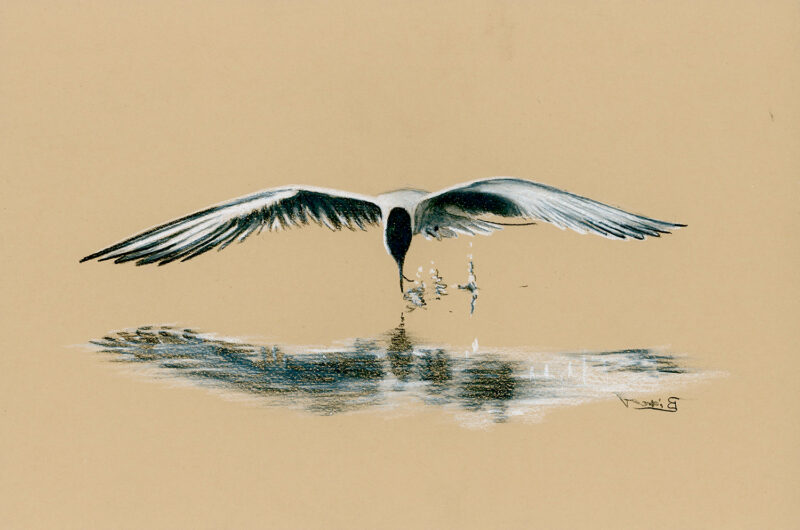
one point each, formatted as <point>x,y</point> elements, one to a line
<point>672,227</point>
<point>96,255</point>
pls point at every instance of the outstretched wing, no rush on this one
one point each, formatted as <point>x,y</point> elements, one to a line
<point>219,226</point>
<point>457,210</point>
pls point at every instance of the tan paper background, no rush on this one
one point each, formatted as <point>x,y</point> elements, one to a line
<point>117,116</point>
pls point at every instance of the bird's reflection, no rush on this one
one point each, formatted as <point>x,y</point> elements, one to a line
<point>400,352</point>
<point>377,372</point>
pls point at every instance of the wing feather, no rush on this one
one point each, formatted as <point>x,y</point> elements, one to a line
<point>221,225</point>
<point>458,210</point>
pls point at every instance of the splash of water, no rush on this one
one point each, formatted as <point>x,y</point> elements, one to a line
<point>415,296</point>
<point>418,295</point>
<point>472,285</point>
<point>439,287</point>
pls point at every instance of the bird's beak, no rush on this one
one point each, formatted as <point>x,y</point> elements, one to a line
<point>400,270</point>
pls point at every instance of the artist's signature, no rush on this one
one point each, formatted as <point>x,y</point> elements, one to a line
<point>670,405</point>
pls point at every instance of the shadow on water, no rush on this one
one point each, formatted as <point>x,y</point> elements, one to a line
<point>486,386</point>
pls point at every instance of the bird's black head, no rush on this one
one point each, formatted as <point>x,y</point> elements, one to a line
<point>398,237</point>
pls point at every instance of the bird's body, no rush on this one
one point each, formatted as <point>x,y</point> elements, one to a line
<point>403,214</point>
<point>397,212</point>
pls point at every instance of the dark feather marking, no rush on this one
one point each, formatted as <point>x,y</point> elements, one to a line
<point>605,227</point>
<point>169,249</point>
<point>184,251</point>
<point>205,245</point>
<point>126,256</point>
<point>145,250</point>
<point>242,226</point>
<point>476,202</point>
<point>198,247</point>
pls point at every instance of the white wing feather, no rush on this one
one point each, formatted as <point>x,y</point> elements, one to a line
<point>458,209</point>
<point>235,220</point>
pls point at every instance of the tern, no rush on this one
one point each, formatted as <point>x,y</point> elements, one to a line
<point>468,208</point>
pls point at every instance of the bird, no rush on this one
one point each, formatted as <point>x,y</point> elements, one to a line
<point>464,209</point>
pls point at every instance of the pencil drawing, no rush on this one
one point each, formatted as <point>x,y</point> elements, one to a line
<point>469,208</point>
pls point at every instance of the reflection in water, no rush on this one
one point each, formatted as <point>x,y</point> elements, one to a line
<point>480,386</point>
